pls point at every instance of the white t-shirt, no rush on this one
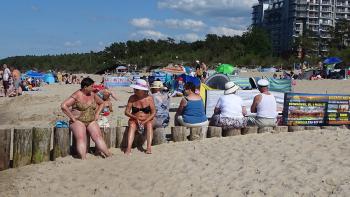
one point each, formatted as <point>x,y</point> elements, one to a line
<point>6,74</point>
<point>230,106</point>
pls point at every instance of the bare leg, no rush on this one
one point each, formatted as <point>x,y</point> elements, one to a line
<point>79,132</point>
<point>96,136</point>
<point>131,136</point>
<point>149,137</point>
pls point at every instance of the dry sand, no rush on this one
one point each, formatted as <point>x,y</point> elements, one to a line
<point>312,163</point>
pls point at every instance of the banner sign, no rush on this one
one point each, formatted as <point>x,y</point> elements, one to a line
<point>316,109</point>
<point>212,97</point>
<point>111,81</point>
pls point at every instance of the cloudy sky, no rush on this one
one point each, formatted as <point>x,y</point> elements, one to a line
<point>36,27</point>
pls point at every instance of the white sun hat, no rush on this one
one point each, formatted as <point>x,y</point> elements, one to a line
<point>230,87</point>
<point>140,84</point>
<point>157,84</point>
<point>263,83</point>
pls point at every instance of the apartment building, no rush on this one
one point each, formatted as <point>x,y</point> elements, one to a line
<point>286,20</point>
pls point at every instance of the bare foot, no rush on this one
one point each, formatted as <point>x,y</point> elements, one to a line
<point>148,151</point>
<point>127,152</point>
<point>109,154</point>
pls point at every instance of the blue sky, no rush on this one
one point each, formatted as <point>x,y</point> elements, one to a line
<point>39,27</point>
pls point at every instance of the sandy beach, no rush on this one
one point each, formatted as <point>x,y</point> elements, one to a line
<point>306,163</point>
<point>312,163</point>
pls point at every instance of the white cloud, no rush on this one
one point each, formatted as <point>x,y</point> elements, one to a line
<point>147,23</point>
<point>142,22</point>
<point>210,7</point>
<point>184,24</point>
<point>190,37</point>
<point>150,34</point>
<point>225,31</point>
<point>73,44</point>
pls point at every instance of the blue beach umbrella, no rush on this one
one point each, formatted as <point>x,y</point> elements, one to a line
<point>332,60</point>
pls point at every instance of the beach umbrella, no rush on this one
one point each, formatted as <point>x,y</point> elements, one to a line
<point>332,60</point>
<point>174,70</point>
<point>225,69</point>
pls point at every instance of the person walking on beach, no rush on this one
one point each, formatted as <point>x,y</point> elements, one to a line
<point>16,74</point>
<point>6,79</point>
<point>83,108</point>
<point>141,111</point>
<point>265,107</point>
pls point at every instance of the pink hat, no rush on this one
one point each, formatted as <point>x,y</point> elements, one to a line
<point>140,84</point>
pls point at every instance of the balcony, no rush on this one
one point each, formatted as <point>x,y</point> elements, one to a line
<point>326,3</point>
<point>314,2</point>
<point>313,15</point>
<point>340,17</point>
<point>341,11</point>
<point>300,2</point>
<point>327,16</point>
<point>326,10</point>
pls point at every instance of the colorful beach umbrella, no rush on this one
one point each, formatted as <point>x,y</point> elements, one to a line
<point>225,69</point>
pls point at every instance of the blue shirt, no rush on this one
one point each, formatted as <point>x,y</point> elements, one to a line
<point>193,112</point>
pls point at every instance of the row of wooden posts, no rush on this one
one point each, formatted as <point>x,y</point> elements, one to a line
<point>36,145</point>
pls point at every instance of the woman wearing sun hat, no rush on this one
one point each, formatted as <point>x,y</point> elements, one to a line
<point>141,110</point>
<point>229,111</point>
<point>162,102</point>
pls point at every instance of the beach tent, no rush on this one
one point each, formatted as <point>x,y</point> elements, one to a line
<point>34,74</point>
<point>332,60</point>
<point>217,81</point>
<point>49,78</point>
<point>242,82</point>
<point>225,69</point>
<point>121,69</point>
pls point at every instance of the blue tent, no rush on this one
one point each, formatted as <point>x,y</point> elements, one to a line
<point>34,74</point>
<point>47,78</point>
<point>332,60</point>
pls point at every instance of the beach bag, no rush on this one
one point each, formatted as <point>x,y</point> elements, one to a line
<point>61,124</point>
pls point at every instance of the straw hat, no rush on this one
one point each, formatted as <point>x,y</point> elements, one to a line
<point>263,83</point>
<point>157,84</point>
<point>230,87</point>
<point>140,84</point>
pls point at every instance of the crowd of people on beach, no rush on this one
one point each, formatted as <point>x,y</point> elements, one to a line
<point>13,82</point>
<point>148,109</point>
<point>10,82</point>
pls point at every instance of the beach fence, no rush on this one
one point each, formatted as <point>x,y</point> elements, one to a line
<point>20,147</point>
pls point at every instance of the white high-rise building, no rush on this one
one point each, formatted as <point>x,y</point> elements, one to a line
<point>286,20</point>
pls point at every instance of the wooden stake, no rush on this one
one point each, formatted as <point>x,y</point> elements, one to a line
<point>22,147</point>
<point>5,148</point>
<point>41,144</point>
<point>61,145</point>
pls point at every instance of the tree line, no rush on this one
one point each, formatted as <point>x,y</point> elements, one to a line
<point>252,48</point>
